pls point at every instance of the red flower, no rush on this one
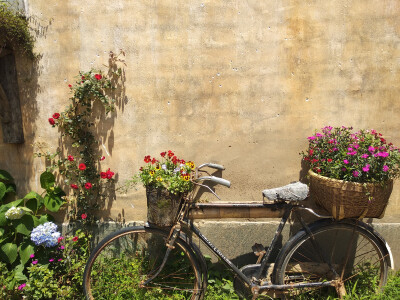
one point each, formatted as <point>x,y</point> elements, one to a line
<point>88,185</point>
<point>147,159</point>
<point>170,153</point>
<point>102,158</point>
<point>82,167</point>
<point>163,154</point>
<point>98,76</point>
<point>83,77</point>
<point>153,161</point>
<point>74,186</point>
<point>75,238</point>
<point>103,175</point>
<point>51,121</point>
<point>329,159</point>
<point>60,239</point>
<point>70,158</point>
<point>84,216</point>
<point>174,160</point>
<point>109,174</point>
<point>70,85</point>
<point>56,115</point>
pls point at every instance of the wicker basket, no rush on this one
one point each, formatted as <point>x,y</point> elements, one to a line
<point>344,199</point>
<point>162,206</point>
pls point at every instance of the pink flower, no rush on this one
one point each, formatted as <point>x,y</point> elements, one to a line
<point>385,168</point>
<point>60,259</point>
<point>32,255</point>
<point>84,216</point>
<point>70,158</point>
<point>366,168</point>
<point>352,152</point>
<point>102,158</point>
<point>365,155</point>
<point>21,287</point>
<point>371,149</point>
<point>34,262</point>
<point>383,154</point>
<point>311,138</point>
<point>51,259</point>
<point>60,239</point>
<point>356,173</point>
<point>345,161</point>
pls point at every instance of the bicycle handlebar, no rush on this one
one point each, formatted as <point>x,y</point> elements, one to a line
<point>211,165</point>
<point>218,180</point>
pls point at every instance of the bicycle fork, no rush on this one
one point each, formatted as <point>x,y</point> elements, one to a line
<point>174,233</point>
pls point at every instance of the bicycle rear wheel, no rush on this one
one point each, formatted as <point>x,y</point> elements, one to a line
<point>120,264</point>
<point>348,253</point>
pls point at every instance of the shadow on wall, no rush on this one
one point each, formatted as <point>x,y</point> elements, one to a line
<point>20,82</point>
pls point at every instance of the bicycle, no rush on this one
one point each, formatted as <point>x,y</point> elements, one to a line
<point>149,262</point>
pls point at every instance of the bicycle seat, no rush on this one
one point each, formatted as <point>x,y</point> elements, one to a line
<point>296,191</point>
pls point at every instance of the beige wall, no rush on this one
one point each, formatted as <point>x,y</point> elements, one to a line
<point>241,83</point>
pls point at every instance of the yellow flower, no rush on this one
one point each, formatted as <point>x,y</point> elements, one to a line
<point>159,178</point>
<point>158,167</point>
<point>152,172</point>
<point>186,177</point>
<point>190,164</point>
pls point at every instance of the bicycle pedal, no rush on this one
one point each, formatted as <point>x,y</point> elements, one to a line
<point>258,249</point>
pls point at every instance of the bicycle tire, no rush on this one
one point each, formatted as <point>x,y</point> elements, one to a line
<point>122,261</point>
<point>357,255</point>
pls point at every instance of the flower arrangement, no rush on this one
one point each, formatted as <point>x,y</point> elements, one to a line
<point>169,172</point>
<point>362,156</point>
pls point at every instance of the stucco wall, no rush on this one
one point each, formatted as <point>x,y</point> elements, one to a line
<point>241,83</point>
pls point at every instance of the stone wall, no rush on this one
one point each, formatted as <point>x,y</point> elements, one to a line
<point>240,83</point>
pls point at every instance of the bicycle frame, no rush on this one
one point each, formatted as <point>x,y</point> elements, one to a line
<point>254,284</point>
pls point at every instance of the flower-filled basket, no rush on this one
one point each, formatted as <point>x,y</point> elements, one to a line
<point>167,181</point>
<point>351,173</point>
<point>345,199</point>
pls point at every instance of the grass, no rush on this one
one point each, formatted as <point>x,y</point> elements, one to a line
<point>220,287</point>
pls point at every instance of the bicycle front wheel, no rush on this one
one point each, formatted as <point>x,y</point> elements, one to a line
<point>349,254</point>
<point>124,260</point>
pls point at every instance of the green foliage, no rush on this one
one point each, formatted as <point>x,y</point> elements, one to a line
<point>14,30</point>
<point>17,220</point>
<point>41,283</point>
<point>81,166</point>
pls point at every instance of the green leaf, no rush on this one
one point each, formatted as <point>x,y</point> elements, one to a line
<point>47,180</point>
<point>3,219</point>
<point>43,219</point>
<point>11,188</point>
<point>5,176</point>
<point>3,190</point>
<point>19,275</point>
<point>9,252</point>
<point>24,225</point>
<point>7,206</point>
<point>53,202</point>
<point>34,201</point>
<point>25,250</point>
<point>1,231</point>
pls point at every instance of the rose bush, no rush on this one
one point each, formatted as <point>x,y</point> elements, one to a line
<point>169,172</point>
<point>362,156</point>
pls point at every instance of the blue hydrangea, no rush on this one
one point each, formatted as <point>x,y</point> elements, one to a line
<point>46,235</point>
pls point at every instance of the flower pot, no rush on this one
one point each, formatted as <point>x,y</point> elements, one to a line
<point>344,199</point>
<point>162,206</point>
